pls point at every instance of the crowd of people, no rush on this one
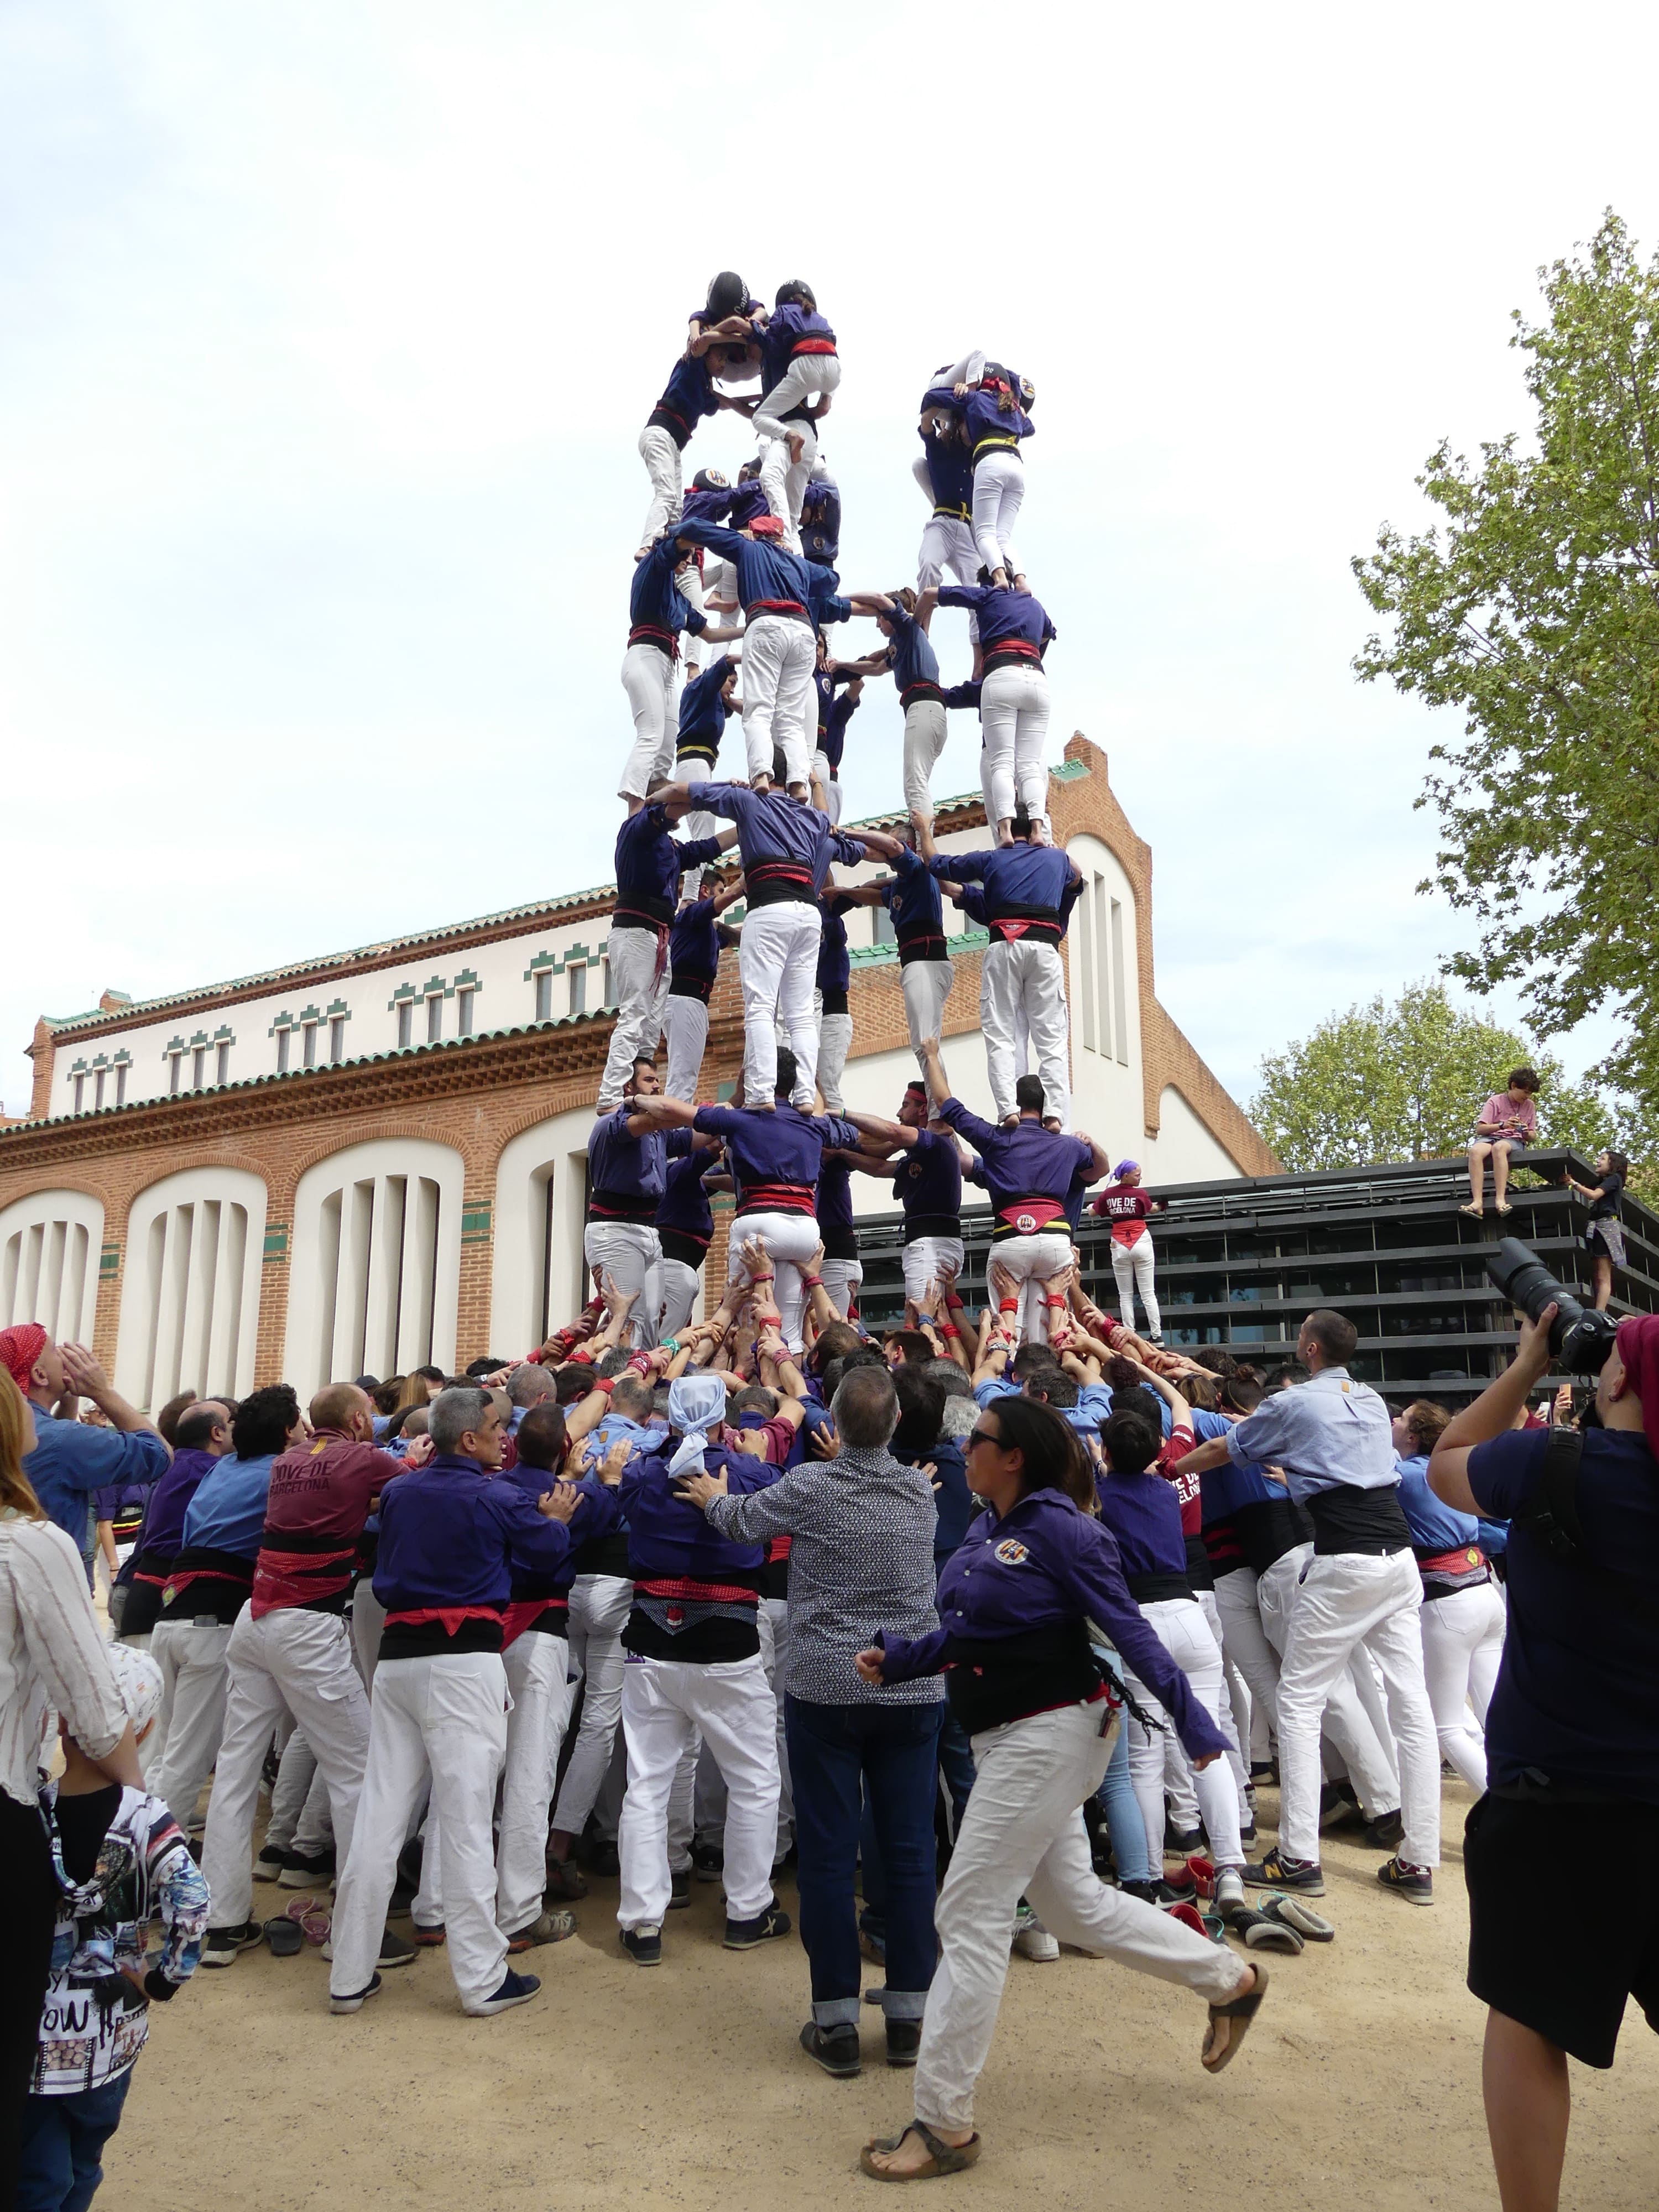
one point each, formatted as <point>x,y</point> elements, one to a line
<point>990,1626</point>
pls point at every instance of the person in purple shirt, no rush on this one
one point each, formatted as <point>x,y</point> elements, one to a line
<point>1030,887</point>
<point>944,471</point>
<point>453,1533</point>
<point>928,1184</point>
<point>628,1156</point>
<point>704,704</point>
<point>201,1438</point>
<point>913,665</point>
<point>685,1230</point>
<point>1016,1602</point>
<point>1014,635</point>
<point>779,643</point>
<point>799,363</point>
<point>719,341</point>
<point>696,941</point>
<point>649,863</point>
<point>658,610</point>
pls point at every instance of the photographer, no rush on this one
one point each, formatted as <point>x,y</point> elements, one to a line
<point>1572,1742</point>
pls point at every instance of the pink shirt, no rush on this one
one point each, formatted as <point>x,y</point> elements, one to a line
<point>1501,1109</point>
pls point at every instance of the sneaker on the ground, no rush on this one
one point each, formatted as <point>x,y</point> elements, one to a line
<point>222,1944</point>
<point>1303,1876</point>
<point>564,1880</point>
<point>643,1946</point>
<point>1337,1803</point>
<point>764,1928</point>
<point>903,2042</point>
<point>1161,1892</point>
<point>395,1950</point>
<point>1414,1884</point>
<point>428,1936</point>
<point>1229,1890</point>
<point>299,1872</point>
<point>268,1866</point>
<point>707,1862</point>
<point>357,2003</point>
<point>546,1928</point>
<point>1384,1833</point>
<point>1034,1941</point>
<point>603,1858</point>
<point>1180,1843</point>
<point>679,1889</point>
<point>515,1990</point>
<point>1247,1833</point>
<point>1264,1770</point>
<point>402,1901</point>
<point>836,2049</point>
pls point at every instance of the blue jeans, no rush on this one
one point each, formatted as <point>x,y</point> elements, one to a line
<point>1123,1810</point>
<point>836,1752</point>
<point>64,2140</point>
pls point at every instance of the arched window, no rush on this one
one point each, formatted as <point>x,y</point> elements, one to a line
<point>190,1291</point>
<point>50,1245</point>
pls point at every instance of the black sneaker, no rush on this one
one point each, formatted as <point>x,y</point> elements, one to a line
<point>395,1950</point>
<point>707,1862</point>
<point>1337,1803</point>
<point>1303,1876</point>
<point>1182,1843</point>
<point>1414,1884</point>
<point>836,2049</point>
<point>749,1934</point>
<point>222,1944</point>
<point>301,1873</point>
<point>1247,1833</point>
<point>268,1866</point>
<point>1385,1833</point>
<point>1264,1770</point>
<point>603,1858</point>
<point>564,1881</point>
<point>515,1990</point>
<point>1161,1893</point>
<point>357,2003</point>
<point>903,2042</point>
<point>679,1889</point>
<point>643,1946</point>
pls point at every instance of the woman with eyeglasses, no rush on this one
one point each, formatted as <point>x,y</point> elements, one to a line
<point>1016,1603</point>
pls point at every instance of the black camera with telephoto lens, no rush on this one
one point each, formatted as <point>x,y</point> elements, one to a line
<point>1580,1337</point>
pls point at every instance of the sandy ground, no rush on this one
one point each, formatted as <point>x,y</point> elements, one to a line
<point>1359,2086</point>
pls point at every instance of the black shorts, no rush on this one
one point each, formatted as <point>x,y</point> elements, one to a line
<point>1555,1954</point>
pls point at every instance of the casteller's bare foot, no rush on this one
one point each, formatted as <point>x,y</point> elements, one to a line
<point>797,446</point>
<point>1041,833</point>
<point>1020,584</point>
<point>999,578</point>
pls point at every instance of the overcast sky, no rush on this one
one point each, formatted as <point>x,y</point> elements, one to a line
<point>330,329</point>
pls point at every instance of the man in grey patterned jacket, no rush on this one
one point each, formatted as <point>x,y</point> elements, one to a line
<point>861,1558</point>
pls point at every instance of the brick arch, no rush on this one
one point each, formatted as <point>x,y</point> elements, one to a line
<point>375,1133</point>
<point>520,1123</point>
<point>215,1156</point>
<point>32,1188</point>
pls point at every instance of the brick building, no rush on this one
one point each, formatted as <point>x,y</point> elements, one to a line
<point>377,1160</point>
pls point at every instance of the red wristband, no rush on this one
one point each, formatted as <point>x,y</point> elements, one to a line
<point>1009,1305</point>
<point>640,1364</point>
<point>949,1328</point>
<point>809,1282</point>
<point>606,1382</point>
<point>581,1358</point>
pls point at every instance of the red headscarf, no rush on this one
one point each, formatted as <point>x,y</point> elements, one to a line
<point>20,1348</point>
<point>1638,1347</point>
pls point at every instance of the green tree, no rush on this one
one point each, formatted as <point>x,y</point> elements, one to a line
<point>1534,610</point>
<point>1405,1082</point>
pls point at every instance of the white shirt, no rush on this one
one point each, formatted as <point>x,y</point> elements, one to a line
<point>51,1654</point>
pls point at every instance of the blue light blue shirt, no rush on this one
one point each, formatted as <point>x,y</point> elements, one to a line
<point>227,1513</point>
<point>1323,1433</point>
<point>71,1461</point>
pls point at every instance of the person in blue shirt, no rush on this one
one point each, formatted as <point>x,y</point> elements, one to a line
<point>944,471</point>
<point>837,686</point>
<point>719,341</point>
<point>1463,1616</point>
<point>648,864</point>
<point>705,703</point>
<point>658,610</point>
<point>1030,887</point>
<point>779,643</point>
<point>628,1156</point>
<point>71,1461</point>
<point>928,1184</point>
<point>696,942</point>
<point>1014,636</point>
<point>798,364</point>
<point>685,1230</point>
<point>995,404</point>
<point>211,1578</point>
<point>913,665</point>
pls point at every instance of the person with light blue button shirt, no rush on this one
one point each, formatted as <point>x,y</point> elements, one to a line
<point>71,1461</point>
<point>1332,1438</point>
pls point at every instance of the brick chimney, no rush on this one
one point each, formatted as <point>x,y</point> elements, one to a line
<point>42,1052</point>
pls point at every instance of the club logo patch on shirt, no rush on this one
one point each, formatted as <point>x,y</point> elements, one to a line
<point>1026,1224</point>
<point>1010,1552</point>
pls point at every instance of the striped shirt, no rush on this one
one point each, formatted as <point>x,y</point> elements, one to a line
<point>51,1654</point>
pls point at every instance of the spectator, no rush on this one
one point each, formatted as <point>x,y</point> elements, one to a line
<point>72,1462</point>
<point>1126,1205</point>
<point>172,1413</point>
<point>1508,1123</point>
<point>1572,1742</point>
<point>1604,1240</point>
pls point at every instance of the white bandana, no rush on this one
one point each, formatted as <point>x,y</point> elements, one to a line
<point>695,1404</point>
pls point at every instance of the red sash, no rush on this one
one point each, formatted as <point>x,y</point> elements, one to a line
<point>522,1611</point>
<point>694,1593</point>
<point>1029,1217</point>
<point>450,1616</point>
<point>811,345</point>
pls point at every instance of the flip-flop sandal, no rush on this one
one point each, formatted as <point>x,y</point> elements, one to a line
<point>1258,1933</point>
<point>1240,2011</point>
<point>285,1939</point>
<point>942,2157</point>
<point>1292,1912</point>
<point>1503,1209</point>
<point>312,1921</point>
<point>1475,1212</point>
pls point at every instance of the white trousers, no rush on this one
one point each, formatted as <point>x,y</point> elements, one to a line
<point>779,705</point>
<point>1022,1835</point>
<point>538,1670</point>
<point>600,1607</point>
<point>685,1025</point>
<point>1244,1644</point>
<point>842,1279</point>
<point>1013,714</point>
<point>777,964</point>
<point>924,741</point>
<point>638,981</point>
<point>630,1253</point>
<point>1131,1267</point>
<point>999,494</point>
<point>709,1795</point>
<point>829,785</point>
<point>925,985</point>
<point>1026,976</point>
<point>649,679</point>
<point>662,461</point>
<point>288,1661</point>
<point>1232,1713</point>
<point>1462,1643</point>
<point>946,542</point>
<point>1181,1628</point>
<point>1347,1726</point>
<point>924,1258</point>
<point>835,1042</point>
<point>680,1287</point>
<point>191,1655</point>
<point>1030,1260</point>
<point>368,1624</point>
<point>791,1239</point>
<point>1347,1599</point>
<point>784,481</point>
<point>300,1817</point>
<point>445,1716</point>
<point>666,1704</point>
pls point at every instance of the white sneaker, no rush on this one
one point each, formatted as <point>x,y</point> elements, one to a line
<point>1034,1941</point>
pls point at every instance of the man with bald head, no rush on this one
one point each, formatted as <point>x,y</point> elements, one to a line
<point>290,1651</point>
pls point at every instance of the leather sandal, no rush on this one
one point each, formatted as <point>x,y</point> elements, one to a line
<point>942,2157</point>
<point>1240,2011</point>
